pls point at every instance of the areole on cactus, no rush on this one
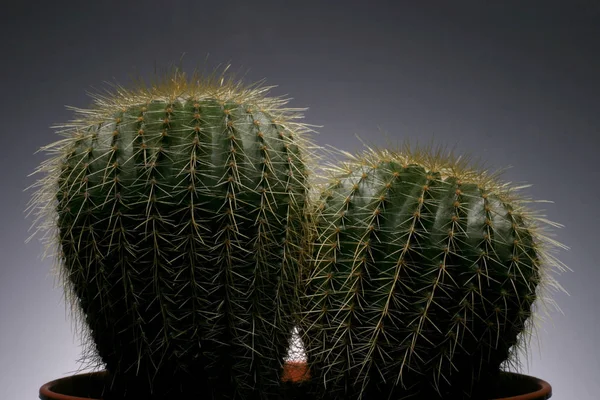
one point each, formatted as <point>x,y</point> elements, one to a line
<point>177,217</point>
<point>425,271</point>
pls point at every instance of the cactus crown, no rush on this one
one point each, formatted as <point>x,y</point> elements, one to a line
<point>401,237</point>
<point>176,215</point>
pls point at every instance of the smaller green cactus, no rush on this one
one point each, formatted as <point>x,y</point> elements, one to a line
<point>425,273</point>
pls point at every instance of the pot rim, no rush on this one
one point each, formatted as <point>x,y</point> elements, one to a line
<point>544,392</point>
<point>46,389</point>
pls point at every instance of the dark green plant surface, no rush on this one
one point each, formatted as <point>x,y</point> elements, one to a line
<point>424,275</point>
<point>178,215</point>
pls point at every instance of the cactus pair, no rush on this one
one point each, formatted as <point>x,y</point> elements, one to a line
<point>189,247</point>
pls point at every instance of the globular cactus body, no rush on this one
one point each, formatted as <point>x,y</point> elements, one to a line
<point>424,274</point>
<point>180,216</point>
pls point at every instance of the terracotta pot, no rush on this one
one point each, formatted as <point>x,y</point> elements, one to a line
<point>89,386</point>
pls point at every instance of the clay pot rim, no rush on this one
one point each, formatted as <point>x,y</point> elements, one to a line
<point>46,389</point>
<point>544,392</point>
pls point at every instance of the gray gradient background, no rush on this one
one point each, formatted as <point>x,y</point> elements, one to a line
<point>515,82</point>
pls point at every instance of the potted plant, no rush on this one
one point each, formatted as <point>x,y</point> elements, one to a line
<point>189,246</point>
<point>425,274</point>
<point>176,213</point>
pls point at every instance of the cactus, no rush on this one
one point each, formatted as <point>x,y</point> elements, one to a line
<point>424,275</point>
<point>177,216</point>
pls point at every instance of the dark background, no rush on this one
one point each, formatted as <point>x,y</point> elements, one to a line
<point>515,82</point>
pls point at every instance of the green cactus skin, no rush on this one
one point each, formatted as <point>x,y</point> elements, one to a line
<point>424,274</point>
<point>179,217</point>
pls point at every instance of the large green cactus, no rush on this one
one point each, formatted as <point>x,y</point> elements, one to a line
<point>177,212</point>
<point>424,274</point>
